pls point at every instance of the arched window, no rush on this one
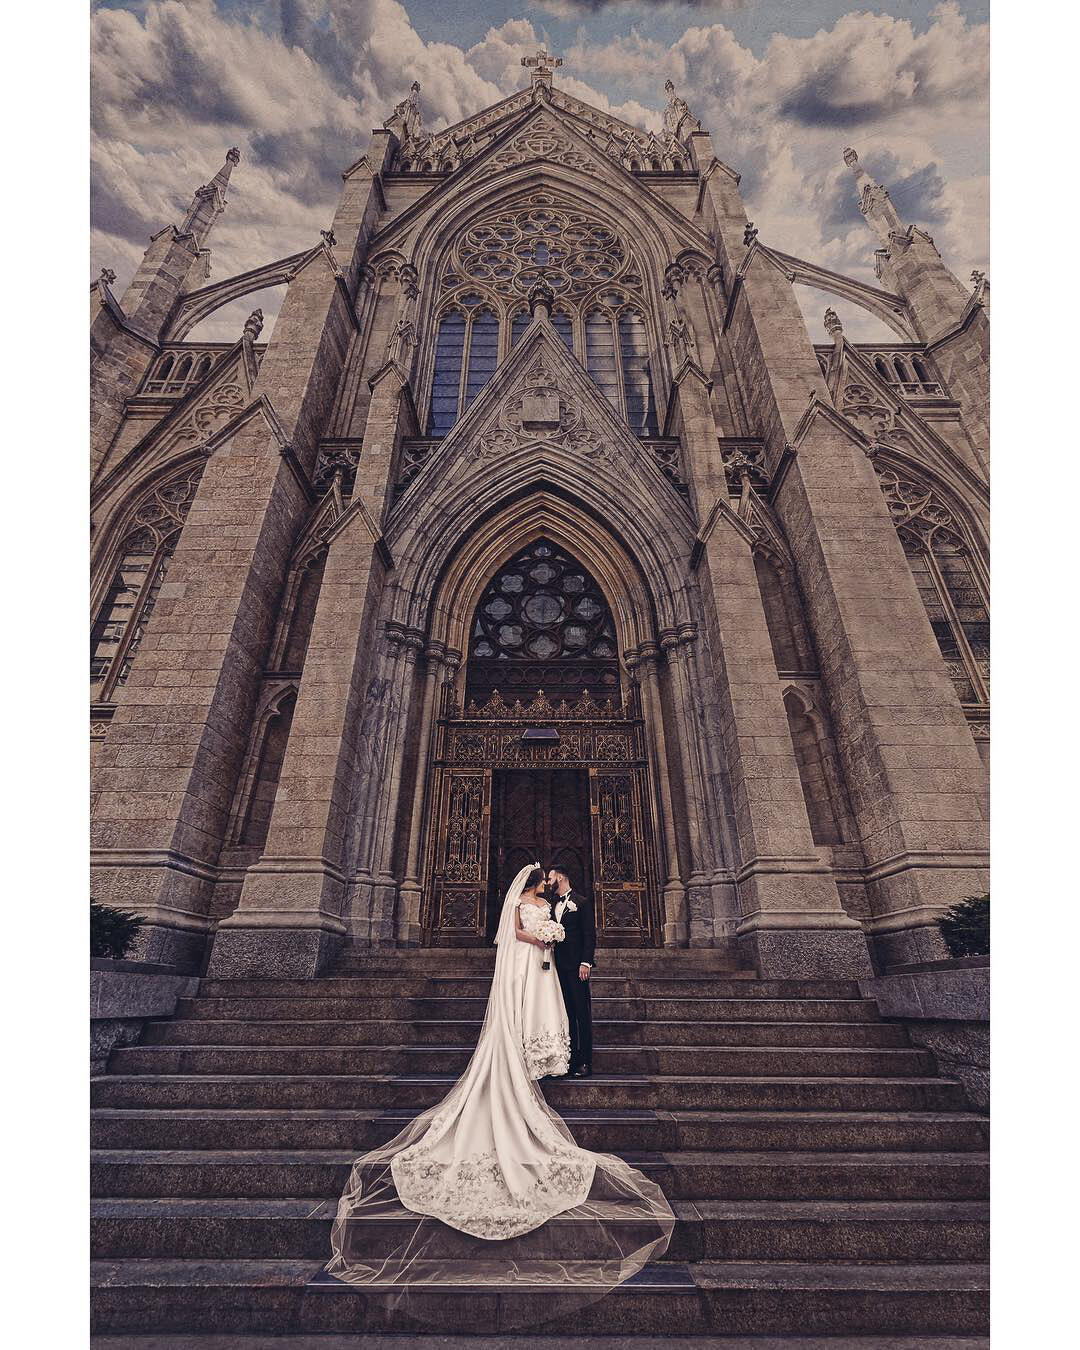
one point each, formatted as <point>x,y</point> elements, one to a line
<point>921,373</point>
<point>143,559</point>
<point>883,370</point>
<point>903,374</point>
<point>203,367</point>
<point>564,326</point>
<point>457,381</point>
<point>600,355</point>
<point>634,356</point>
<point>518,326</point>
<point>676,164</point>
<point>951,589</point>
<point>542,623</point>
<point>446,384</point>
<point>483,352</point>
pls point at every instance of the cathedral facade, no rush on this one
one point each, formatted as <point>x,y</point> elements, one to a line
<point>541,527</point>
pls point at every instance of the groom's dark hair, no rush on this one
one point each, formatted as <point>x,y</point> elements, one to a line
<point>561,872</point>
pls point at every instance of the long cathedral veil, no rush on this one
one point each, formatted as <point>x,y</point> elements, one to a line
<point>489,1188</point>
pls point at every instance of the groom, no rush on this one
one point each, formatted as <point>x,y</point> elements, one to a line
<point>574,964</point>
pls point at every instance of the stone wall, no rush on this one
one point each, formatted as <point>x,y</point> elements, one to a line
<point>945,1006</point>
<point>124,995</point>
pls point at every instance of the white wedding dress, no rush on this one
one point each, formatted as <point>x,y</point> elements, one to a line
<point>492,1160</point>
<point>545,1029</point>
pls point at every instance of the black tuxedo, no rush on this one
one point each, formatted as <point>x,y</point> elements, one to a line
<point>579,946</point>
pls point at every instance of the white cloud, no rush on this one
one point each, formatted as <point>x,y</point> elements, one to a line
<point>299,85</point>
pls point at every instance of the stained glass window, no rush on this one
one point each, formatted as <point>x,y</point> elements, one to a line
<point>600,355</point>
<point>483,352</point>
<point>543,623</point>
<point>563,325</point>
<point>634,354</point>
<point>446,385</point>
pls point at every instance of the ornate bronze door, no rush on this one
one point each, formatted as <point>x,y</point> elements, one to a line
<point>460,883</point>
<point>489,766</point>
<point>538,814</point>
<point>616,806</point>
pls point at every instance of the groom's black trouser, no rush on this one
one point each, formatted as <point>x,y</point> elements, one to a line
<point>577,995</point>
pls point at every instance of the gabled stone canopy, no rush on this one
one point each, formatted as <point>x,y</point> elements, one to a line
<point>550,146</point>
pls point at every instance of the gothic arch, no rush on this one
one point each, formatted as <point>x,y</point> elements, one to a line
<point>104,553</point>
<point>442,595</point>
<point>968,514</point>
<point>655,245</point>
<point>128,580</point>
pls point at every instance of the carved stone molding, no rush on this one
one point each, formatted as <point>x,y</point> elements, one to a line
<point>539,411</point>
<point>219,406</point>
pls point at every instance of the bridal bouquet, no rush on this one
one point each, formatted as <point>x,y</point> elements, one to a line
<point>548,931</point>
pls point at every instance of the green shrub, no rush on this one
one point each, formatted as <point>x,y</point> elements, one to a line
<point>966,926</point>
<point>112,931</point>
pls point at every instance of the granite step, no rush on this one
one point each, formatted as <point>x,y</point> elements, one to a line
<point>511,1341</point>
<point>706,1230</point>
<point>445,960</point>
<point>656,1093</point>
<point>667,1061</point>
<point>615,1132</point>
<point>736,1298</point>
<point>732,1176</point>
<point>609,1034</point>
<point>454,1008</point>
<point>478,986</point>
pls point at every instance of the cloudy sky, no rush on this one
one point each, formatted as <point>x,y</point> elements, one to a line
<point>783,86</point>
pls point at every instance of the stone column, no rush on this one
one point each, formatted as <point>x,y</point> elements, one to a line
<point>384,885</point>
<point>916,783</point>
<point>793,924</point>
<point>643,662</point>
<point>672,645</point>
<point>438,660</point>
<point>290,916</point>
<point>703,813</point>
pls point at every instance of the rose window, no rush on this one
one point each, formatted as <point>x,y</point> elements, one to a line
<point>513,249</point>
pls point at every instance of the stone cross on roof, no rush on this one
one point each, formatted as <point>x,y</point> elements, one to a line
<point>541,65</point>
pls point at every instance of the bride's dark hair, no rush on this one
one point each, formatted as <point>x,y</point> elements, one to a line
<point>534,878</point>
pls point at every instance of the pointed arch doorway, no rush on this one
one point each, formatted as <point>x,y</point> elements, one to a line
<point>545,759</point>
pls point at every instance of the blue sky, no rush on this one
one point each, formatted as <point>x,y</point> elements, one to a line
<point>297,84</point>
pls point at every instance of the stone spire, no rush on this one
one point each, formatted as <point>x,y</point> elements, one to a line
<point>209,201</point>
<point>678,119</point>
<point>407,119</point>
<point>874,201</point>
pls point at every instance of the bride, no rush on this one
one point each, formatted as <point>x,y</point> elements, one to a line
<point>492,1160</point>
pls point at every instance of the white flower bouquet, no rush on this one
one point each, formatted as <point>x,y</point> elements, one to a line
<point>549,932</point>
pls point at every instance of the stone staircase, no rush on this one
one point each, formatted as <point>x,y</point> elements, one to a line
<point>826,1182</point>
